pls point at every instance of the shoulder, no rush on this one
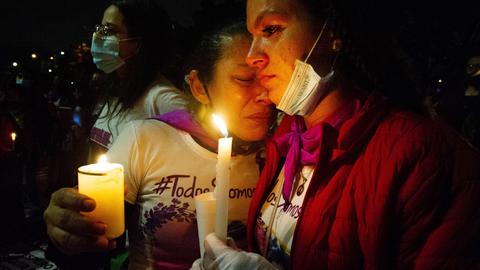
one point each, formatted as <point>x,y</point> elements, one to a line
<point>403,133</point>
<point>404,143</point>
<point>165,90</point>
<point>152,130</point>
<point>164,97</point>
<point>147,126</point>
<point>408,126</point>
<point>406,137</point>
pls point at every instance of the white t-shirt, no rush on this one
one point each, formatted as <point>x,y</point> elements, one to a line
<point>279,219</point>
<point>161,98</point>
<point>164,169</point>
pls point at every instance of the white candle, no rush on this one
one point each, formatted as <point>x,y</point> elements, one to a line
<point>222,181</point>
<point>205,209</point>
<point>14,137</point>
<point>103,182</point>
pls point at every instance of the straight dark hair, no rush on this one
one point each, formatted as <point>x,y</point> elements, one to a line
<point>150,23</point>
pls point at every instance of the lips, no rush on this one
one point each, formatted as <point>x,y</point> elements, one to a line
<point>265,78</point>
<point>260,116</point>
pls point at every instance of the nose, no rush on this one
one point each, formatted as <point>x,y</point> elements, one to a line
<point>256,56</point>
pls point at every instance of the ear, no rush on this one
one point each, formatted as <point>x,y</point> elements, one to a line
<point>196,87</point>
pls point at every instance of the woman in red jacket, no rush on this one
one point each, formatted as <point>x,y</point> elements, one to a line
<point>356,180</point>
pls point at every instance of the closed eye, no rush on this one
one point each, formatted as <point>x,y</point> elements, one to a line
<point>244,81</point>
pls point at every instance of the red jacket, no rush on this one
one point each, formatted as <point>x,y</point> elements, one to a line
<point>397,192</point>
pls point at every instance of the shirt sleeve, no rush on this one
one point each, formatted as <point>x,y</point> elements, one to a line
<point>167,99</point>
<point>125,150</point>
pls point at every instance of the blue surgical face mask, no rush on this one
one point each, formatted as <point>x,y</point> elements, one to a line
<point>105,52</point>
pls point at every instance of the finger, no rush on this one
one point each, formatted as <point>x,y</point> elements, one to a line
<point>71,199</point>
<point>74,222</point>
<point>72,244</point>
<point>197,265</point>
<point>214,246</point>
<point>231,243</point>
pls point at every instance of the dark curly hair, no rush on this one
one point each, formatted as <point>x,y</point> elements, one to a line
<point>371,57</point>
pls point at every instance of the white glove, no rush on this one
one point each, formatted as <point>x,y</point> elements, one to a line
<point>222,257</point>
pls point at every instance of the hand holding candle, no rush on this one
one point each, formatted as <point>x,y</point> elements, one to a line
<point>222,181</point>
<point>103,182</point>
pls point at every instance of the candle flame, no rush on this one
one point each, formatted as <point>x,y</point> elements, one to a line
<point>102,159</point>
<point>220,124</point>
<point>14,136</point>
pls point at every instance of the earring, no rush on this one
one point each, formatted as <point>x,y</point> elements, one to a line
<point>337,45</point>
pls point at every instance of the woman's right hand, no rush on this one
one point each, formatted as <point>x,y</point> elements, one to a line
<point>71,231</point>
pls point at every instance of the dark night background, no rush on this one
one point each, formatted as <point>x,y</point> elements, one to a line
<point>442,32</point>
<point>47,27</point>
<point>436,40</point>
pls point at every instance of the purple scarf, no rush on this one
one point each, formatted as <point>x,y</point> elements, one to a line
<point>183,120</point>
<point>303,147</point>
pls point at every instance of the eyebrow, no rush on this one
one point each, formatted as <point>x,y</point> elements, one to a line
<point>268,12</point>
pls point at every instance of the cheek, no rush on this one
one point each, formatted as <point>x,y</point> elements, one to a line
<point>236,107</point>
<point>127,49</point>
<point>228,103</point>
<point>276,96</point>
<point>234,104</point>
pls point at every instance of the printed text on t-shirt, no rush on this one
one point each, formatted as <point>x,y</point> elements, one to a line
<point>172,183</point>
<point>293,210</point>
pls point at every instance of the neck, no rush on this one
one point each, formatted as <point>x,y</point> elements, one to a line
<point>329,104</point>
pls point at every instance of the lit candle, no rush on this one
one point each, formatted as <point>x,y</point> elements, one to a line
<point>14,137</point>
<point>103,182</point>
<point>222,181</point>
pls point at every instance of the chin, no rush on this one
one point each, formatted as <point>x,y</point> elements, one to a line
<point>254,136</point>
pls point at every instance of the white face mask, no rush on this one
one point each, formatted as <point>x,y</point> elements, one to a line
<point>105,52</point>
<point>305,88</point>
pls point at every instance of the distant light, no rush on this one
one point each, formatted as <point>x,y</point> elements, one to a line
<point>51,57</point>
<point>62,53</point>
<point>34,55</point>
<point>15,64</point>
<point>440,80</point>
<point>49,70</point>
<point>71,82</point>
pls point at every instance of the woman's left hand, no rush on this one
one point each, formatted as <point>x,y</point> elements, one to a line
<point>219,255</point>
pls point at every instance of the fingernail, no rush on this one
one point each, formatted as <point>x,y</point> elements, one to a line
<point>89,204</point>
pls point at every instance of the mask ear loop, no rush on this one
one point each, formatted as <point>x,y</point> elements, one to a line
<point>316,41</point>
<point>138,47</point>
<point>336,47</point>
<point>128,39</point>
